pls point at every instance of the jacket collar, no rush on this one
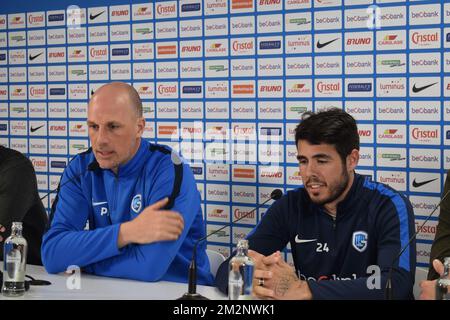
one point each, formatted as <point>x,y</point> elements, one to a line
<point>133,165</point>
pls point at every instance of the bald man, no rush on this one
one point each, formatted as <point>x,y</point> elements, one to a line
<point>128,210</point>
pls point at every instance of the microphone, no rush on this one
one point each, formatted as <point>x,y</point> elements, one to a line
<point>388,293</point>
<point>192,278</point>
<point>91,167</point>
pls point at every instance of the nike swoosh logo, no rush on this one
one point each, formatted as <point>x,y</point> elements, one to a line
<point>297,240</point>
<point>419,184</point>
<point>99,203</point>
<point>418,89</point>
<point>321,45</point>
<point>37,128</point>
<point>93,16</point>
<point>35,56</point>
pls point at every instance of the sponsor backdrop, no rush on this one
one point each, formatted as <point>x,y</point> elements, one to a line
<point>225,82</point>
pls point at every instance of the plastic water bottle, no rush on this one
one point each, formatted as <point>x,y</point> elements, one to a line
<point>240,275</point>
<point>14,262</point>
<point>443,282</point>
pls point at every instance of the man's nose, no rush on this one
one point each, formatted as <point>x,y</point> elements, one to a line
<point>102,136</point>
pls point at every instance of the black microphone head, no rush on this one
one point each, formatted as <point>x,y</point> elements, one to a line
<point>276,194</point>
<point>93,166</point>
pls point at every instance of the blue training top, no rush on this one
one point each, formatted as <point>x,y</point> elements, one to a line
<point>103,200</point>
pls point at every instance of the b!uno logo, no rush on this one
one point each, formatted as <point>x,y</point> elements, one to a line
<point>119,13</point>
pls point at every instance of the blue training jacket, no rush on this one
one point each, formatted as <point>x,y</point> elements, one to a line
<point>372,224</point>
<point>103,200</point>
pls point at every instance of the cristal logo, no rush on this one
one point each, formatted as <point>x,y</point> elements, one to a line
<point>424,134</point>
<point>328,87</point>
<point>242,130</point>
<point>35,19</point>
<point>39,163</point>
<point>165,10</point>
<point>426,229</point>
<point>94,53</point>
<point>239,214</point>
<point>242,46</point>
<point>271,88</point>
<point>37,91</point>
<point>163,89</point>
<point>424,39</point>
<point>119,13</point>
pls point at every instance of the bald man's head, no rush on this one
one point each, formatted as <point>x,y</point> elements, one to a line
<point>121,90</point>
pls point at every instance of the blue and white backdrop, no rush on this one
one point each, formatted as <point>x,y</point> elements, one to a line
<point>226,81</point>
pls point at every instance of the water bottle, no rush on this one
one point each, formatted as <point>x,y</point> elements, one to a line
<point>443,282</point>
<point>240,275</point>
<point>14,262</point>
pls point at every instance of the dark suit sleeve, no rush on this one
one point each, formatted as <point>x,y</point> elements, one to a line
<point>441,245</point>
<point>17,191</point>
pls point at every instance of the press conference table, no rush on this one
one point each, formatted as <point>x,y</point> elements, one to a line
<point>104,288</point>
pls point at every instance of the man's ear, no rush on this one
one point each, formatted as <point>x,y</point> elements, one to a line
<point>141,126</point>
<point>352,160</point>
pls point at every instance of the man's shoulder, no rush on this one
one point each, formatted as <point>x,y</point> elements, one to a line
<point>10,157</point>
<point>378,193</point>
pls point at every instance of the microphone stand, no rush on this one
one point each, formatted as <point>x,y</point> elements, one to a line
<point>389,292</point>
<point>192,277</point>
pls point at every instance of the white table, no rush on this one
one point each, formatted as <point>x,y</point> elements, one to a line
<point>105,288</point>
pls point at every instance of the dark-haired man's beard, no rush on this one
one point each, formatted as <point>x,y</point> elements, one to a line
<point>336,189</point>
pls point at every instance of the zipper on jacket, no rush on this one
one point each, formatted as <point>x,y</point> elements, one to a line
<point>116,183</point>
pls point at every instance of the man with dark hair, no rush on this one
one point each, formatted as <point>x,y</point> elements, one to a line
<point>344,230</point>
<point>138,200</point>
<point>19,201</point>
